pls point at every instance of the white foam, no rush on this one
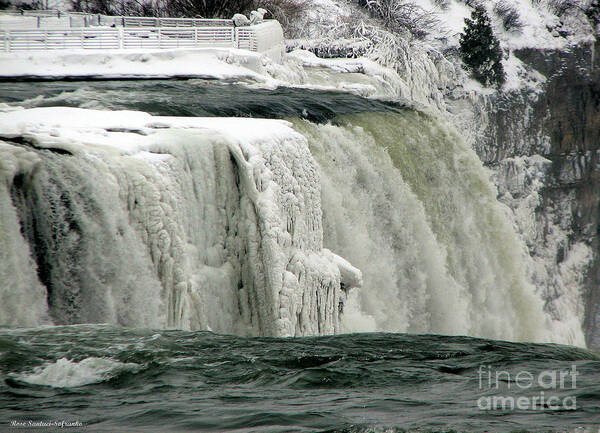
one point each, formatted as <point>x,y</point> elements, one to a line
<point>65,373</point>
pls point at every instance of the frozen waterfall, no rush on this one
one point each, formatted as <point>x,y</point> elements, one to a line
<point>230,224</point>
<point>165,222</point>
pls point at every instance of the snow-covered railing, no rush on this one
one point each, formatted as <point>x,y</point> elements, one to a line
<point>55,18</point>
<point>260,37</point>
<point>167,22</point>
<point>82,38</point>
<point>264,37</point>
<point>126,21</point>
<point>173,37</point>
<point>42,13</point>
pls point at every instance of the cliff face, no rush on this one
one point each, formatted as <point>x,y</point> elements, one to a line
<point>562,125</point>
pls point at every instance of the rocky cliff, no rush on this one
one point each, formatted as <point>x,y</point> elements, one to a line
<point>546,147</point>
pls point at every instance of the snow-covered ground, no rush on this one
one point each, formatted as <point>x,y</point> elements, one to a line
<point>222,64</point>
<point>538,24</point>
<point>128,132</point>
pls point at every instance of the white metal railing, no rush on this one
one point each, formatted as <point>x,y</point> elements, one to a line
<point>55,18</point>
<point>83,38</point>
<point>168,22</point>
<point>42,12</point>
<point>260,38</point>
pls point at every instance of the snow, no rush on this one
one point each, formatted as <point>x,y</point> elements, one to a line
<point>454,18</point>
<point>427,80</point>
<point>9,22</point>
<point>222,64</point>
<point>360,76</point>
<point>519,76</point>
<point>128,132</point>
<point>538,23</point>
<point>538,30</point>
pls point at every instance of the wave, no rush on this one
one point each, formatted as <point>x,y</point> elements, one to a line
<point>65,373</point>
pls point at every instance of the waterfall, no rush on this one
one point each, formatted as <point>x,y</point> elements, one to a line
<point>147,222</point>
<point>22,297</point>
<point>234,225</point>
<point>406,201</point>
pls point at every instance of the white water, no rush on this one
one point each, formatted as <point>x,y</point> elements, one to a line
<point>22,297</point>
<point>406,201</point>
<point>220,224</point>
<point>65,373</point>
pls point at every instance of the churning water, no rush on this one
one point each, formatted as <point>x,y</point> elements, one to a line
<point>111,379</point>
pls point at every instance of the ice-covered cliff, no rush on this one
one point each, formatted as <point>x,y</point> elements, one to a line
<point>544,147</point>
<point>164,222</point>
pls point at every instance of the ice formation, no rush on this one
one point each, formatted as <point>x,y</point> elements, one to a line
<point>22,297</point>
<point>166,222</point>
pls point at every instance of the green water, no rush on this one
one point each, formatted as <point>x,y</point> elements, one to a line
<point>172,381</point>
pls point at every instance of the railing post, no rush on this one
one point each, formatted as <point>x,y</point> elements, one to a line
<point>159,38</point>
<point>82,38</point>
<point>195,36</point>
<point>39,21</point>
<point>6,41</point>
<point>121,35</point>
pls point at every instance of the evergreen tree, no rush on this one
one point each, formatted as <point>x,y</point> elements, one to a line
<point>480,49</point>
<point>593,12</point>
